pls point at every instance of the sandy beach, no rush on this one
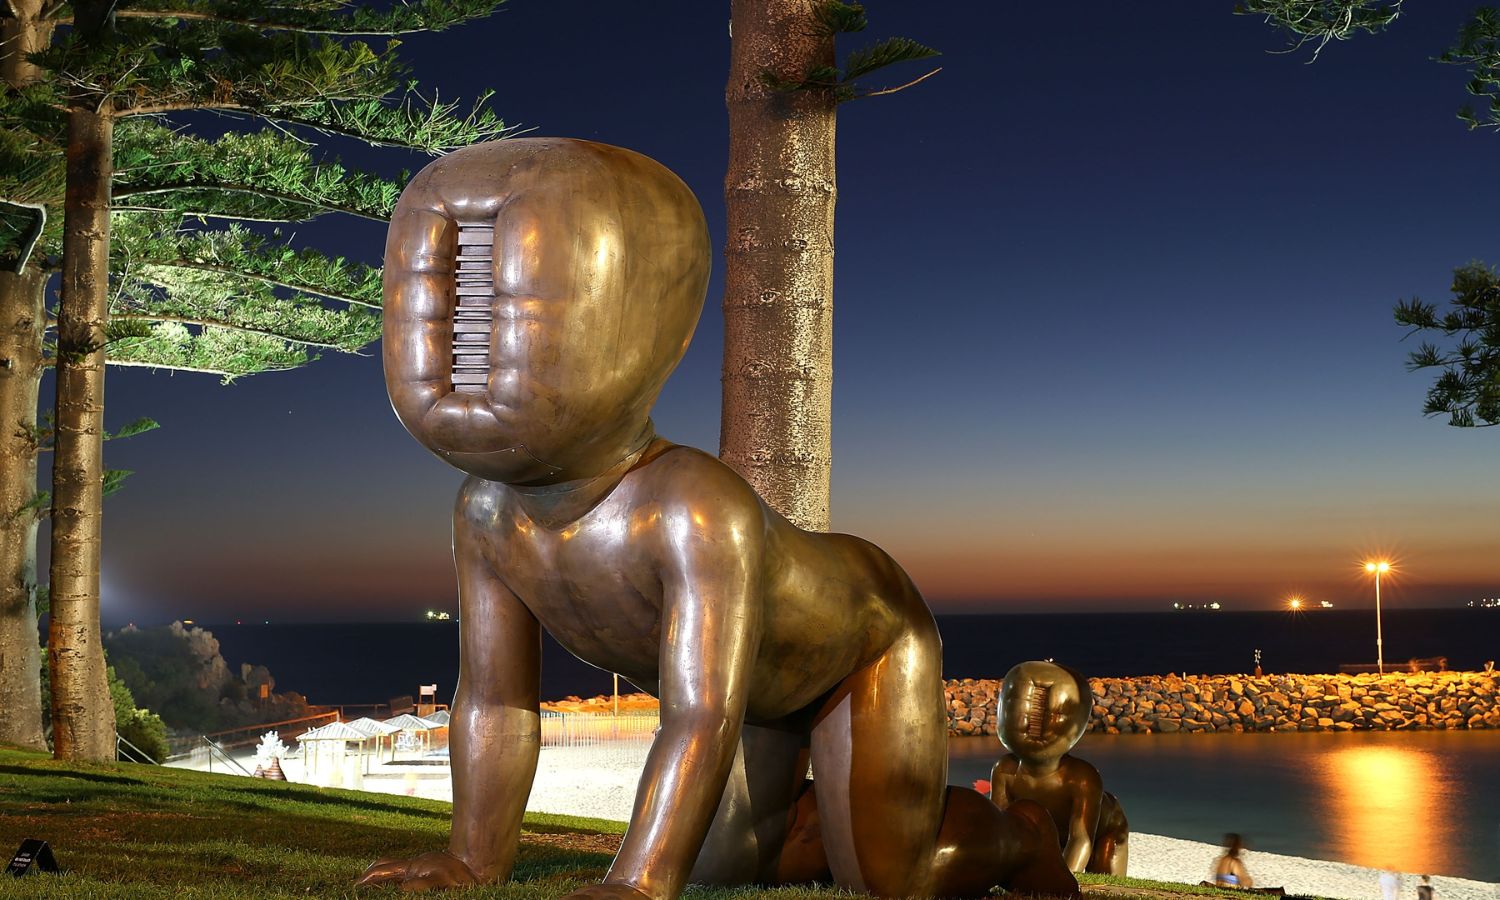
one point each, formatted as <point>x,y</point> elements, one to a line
<point>600,782</point>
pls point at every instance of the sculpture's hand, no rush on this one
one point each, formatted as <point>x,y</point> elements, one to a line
<point>430,871</point>
<point>608,892</point>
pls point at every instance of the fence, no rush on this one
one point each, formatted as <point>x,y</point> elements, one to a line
<point>249,735</point>
<point>627,735</point>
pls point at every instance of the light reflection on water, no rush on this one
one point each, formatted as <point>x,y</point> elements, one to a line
<point>1420,802</point>
<point>1389,807</point>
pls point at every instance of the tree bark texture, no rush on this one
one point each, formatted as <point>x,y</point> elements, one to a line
<point>779,196</point>
<point>22,321</point>
<point>22,328</point>
<point>83,726</point>
<point>26,33</point>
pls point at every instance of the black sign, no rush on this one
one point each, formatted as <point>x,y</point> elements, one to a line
<point>32,852</point>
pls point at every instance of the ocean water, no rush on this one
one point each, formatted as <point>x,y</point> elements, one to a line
<point>370,663</point>
<point>1419,802</point>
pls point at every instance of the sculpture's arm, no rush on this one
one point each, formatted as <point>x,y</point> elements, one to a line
<point>496,726</point>
<point>1000,781</point>
<point>1088,794</point>
<point>495,729</point>
<point>710,629</point>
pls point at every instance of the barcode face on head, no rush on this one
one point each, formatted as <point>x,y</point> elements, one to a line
<point>473,313</point>
<point>1038,698</point>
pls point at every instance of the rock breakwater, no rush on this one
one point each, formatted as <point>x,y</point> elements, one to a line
<point>1202,703</point>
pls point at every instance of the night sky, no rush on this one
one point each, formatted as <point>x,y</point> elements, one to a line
<point>1113,323</point>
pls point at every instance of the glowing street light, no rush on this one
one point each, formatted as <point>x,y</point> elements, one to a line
<point>1378,568</point>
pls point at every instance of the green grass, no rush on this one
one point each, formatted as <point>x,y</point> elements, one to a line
<point>128,831</point>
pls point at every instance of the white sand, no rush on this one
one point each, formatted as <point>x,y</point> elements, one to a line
<point>600,782</point>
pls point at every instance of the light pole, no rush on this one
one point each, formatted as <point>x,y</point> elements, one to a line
<point>1378,568</point>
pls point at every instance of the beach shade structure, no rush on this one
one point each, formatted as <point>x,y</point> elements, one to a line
<point>379,732</point>
<point>420,729</point>
<point>439,721</point>
<point>336,738</point>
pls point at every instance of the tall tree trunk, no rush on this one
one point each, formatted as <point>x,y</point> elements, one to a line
<point>24,33</point>
<point>22,326</point>
<point>83,723</point>
<point>22,321</point>
<point>778,277</point>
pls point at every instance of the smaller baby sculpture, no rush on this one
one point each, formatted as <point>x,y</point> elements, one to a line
<point>1043,711</point>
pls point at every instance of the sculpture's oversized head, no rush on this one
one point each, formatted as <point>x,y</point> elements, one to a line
<point>538,292</point>
<point>1044,709</point>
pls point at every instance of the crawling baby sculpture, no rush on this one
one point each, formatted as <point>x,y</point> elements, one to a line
<point>538,292</point>
<point>1043,711</point>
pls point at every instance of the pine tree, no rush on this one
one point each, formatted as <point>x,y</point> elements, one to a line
<point>1466,353</point>
<point>145,281</point>
<point>779,197</point>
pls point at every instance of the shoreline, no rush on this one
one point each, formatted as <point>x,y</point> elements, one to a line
<point>600,782</point>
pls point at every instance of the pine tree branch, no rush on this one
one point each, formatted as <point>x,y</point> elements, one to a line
<point>125,318</point>
<point>267,280</point>
<point>338,18</point>
<point>226,373</point>
<point>253,189</point>
<point>900,87</point>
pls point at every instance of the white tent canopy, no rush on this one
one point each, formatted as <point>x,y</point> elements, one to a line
<point>334,731</point>
<point>372,728</point>
<point>409,722</point>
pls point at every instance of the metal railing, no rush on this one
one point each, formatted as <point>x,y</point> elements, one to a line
<point>127,751</point>
<point>207,752</point>
<point>249,735</point>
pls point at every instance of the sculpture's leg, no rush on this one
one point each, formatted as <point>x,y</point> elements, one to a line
<point>880,764</point>
<point>744,843</point>
<point>1111,840</point>
<point>888,821</point>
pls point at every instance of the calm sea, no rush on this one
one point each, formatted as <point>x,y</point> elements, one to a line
<point>1420,802</point>
<point>1414,801</point>
<point>370,663</point>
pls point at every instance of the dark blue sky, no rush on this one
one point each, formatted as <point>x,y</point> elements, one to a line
<point>1112,310</point>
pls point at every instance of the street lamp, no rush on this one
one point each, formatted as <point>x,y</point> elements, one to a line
<point>1378,568</point>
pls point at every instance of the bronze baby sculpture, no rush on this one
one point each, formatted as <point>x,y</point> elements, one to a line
<point>537,294</point>
<point>1043,711</point>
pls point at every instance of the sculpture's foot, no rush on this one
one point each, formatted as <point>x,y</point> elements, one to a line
<point>430,871</point>
<point>1042,870</point>
<point>608,892</point>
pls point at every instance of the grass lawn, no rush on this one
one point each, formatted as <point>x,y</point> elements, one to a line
<point>133,831</point>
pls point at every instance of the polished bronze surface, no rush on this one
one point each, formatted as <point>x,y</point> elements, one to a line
<point>768,646</point>
<point>1043,711</point>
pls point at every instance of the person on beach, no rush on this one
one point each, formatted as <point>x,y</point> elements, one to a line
<point>1230,871</point>
<point>1390,885</point>
<point>1424,890</point>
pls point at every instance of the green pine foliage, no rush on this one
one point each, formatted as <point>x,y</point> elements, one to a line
<point>1466,355</point>
<point>1467,387</point>
<point>1478,47</point>
<point>198,284</point>
<point>837,17</point>
<point>1317,22</point>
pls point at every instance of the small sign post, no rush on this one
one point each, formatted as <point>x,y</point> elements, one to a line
<point>32,852</point>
